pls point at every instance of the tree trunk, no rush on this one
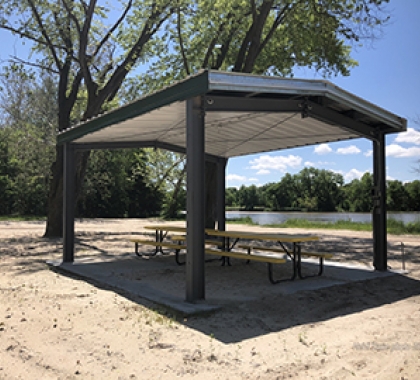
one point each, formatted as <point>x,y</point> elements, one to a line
<point>54,227</point>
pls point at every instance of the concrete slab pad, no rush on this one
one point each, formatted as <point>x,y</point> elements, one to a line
<point>160,280</point>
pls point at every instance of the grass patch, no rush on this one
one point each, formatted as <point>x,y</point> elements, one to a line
<point>243,220</point>
<point>8,218</point>
<point>337,225</point>
<point>394,227</point>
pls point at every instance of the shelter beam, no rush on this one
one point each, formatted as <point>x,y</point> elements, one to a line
<point>379,221</point>
<point>156,144</point>
<point>195,280</point>
<point>243,104</point>
<point>332,117</point>
<point>68,202</point>
<point>221,194</point>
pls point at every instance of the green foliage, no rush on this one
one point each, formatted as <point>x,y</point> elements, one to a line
<point>393,226</point>
<point>413,193</point>
<point>263,37</point>
<point>311,190</point>
<point>247,220</point>
<point>90,50</point>
<point>249,197</point>
<point>27,142</point>
<point>166,171</point>
<point>322,190</point>
<point>358,194</point>
<point>115,186</point>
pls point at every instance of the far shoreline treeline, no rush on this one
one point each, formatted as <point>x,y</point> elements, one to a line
<point>139,183</point>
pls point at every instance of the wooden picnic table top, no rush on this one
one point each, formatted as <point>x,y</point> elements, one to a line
<point>285,238</point>
<point>163,227</point>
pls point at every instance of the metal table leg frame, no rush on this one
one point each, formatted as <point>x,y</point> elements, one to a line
<point>136,249</point>
<point>292,257</point>
<point>227,259</point>
<point>271,275</point>
<point>320,270</point>
<point>178,261</point>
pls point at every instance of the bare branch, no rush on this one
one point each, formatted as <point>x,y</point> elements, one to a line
<point>224,49</point>
<point>115,26</point>
<point>32,64</point>
<point>181,42</point>
<point>72,16</point>
<point>45,34</point>
<point>277,22</point>
<point>30,37</point>
<point>111,88</point>
<point>83,57</point>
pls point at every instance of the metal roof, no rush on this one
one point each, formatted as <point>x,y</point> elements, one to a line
<point>244,114</point>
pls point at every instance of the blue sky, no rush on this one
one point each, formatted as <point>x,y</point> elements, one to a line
<point>387,75</point>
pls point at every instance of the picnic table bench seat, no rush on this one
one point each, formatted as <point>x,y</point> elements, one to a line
<point>320,255</point>
<point>162,244</point>
<point>183,238</point>
<point>270,260</point>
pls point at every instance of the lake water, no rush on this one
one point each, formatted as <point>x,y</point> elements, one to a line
<point>280,217</point>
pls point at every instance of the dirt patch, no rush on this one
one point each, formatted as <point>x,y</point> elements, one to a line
<point>54,326</point>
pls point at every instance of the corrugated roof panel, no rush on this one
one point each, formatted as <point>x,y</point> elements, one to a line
<point>231,129</point>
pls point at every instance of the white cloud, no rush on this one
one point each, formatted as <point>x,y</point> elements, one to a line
<point>322,149</point>
<point>318,163</point>
<point>352,149</point>
<point>281,163</point>
<point>368,153</point>
<point>411,136</point>
<point>239,180</point>
<point>395,150</point>
<point>354,174</point>
<point>235,178</point>
<point>263,172</point>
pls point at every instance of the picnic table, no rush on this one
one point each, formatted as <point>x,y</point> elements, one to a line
<point>226,245</point>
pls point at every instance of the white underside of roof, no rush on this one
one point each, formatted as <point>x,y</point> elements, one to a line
<point>228,134</point>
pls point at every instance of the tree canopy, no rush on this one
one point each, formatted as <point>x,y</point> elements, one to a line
<point>91,47</point>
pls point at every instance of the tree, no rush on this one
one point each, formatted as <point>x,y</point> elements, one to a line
<point>28,123</point>
<point>413,191</point>
<point>117,186</point>
<point>231,198</point>
<point>6,168</point>
<point>397,197</point>
<point>249,197</point>
<point>91,53</point>
<point>90,49</point>
<point>265,37</point>
<point>358,194</point>
<point>282,195</point>
<point>166,172</point>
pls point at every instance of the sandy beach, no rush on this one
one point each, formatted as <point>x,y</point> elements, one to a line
<point>57,326</point>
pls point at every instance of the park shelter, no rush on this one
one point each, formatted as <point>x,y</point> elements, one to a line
<point>213,116</point>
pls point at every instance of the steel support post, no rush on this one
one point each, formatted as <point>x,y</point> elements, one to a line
<point>379,220</point>
<point>68,203</point>
<point>221,194</point>
<point>195,287</point>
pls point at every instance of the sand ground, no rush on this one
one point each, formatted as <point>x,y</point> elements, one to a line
<point>56,326</point>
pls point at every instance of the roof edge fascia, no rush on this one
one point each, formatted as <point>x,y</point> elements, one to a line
<point>187,88</point>
<point>398,123</point>
<point>304,87</point>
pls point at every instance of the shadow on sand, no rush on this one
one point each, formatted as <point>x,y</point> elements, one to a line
<point>240,302</point>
